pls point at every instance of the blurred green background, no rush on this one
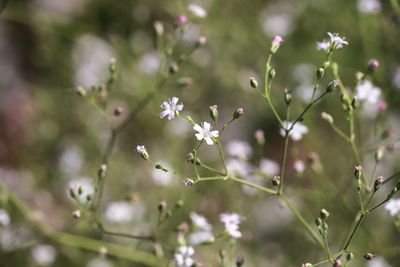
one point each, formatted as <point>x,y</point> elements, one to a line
<point>50,136</point>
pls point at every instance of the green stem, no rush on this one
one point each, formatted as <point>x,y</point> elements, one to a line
<point>283,162</point>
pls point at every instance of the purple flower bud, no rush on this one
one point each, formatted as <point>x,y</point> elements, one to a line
<point>337,263</point>
<point>373,65</point>
<point>238,113</point>
<point>118,111</point>
<point>260,137</point>
<point>182,19</point>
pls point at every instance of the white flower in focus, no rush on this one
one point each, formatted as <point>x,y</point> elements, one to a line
<point>205,133</point>
<point>141,149</point>
<point>240,149</point>
<point>4,218</point>
<point>171,108</point>
<point>369,6</point>
<point>269,167</point>
<point>299,166</point>
<point>201,237</point>
<point>367,92</point>
<point>200,221</point>
<point>44,255</point>
<point>378,262</point>
<point>337,41</point>
<point>324,45</point>
<point>86,185</point>
<point>197,10</point>
<point>183,258</point>
<point>393,206</point>
<point>296,133</point>
<point>119,212</point>
<point>231,222</point>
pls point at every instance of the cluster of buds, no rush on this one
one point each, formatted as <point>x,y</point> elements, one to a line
<point>358,174</point>
<point>321,222</point>
<point>276,180</point>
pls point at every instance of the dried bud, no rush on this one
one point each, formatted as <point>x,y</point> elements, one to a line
<point>76,214</point>
<point>260,137</point>
<point>238,113</point>
<point>369,256</point>
<point>158,27</point>
<point>161,206</point>
<point>173,68</point>
<point>276,43</point>
<point>202,40</point>
<point>320,73</point>
<point>276,180</point>
<point>324,214</point>
<point>143,152</point>
<point>332,86</point>
<point>358,172</point>
<point>214,112</point>
<point>253,82</point>
<point>188,182</point>
<point>287,96</point>
<point>378,182</point>
<point>373,65</point>
<point>379,153</point>
<point>327,117</point>
<point>118,111</point>
<point>239,261</point>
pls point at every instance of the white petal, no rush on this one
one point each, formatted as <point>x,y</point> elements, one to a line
<point>207,126</point>
<point>199,136</point>
<point>214,133</point>
<point>164,113</point>
<point>209,141</point>
<point>179,107</point>
<point>198,128</point>
<point>174,100</point>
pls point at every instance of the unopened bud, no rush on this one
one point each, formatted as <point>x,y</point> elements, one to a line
<point>276,180</point>
<point>287,96</point>
<point>103,251</point>
<point>118,111</point>
<point>202,40</point>
<point>276,43</point>
<point>183,227</point>
<point>320,73</point>
<point>349,256</point>
<point>238,113</point>
<point>239,261</point>
<point>327,117</point>
<point>188,182</point>
<point>260,137</point>
<point>373,65</point>
<point>378,182</point>
<point>214,112</point>
<point>113,62</point>
<point>161,206</point>
<point>307,265</point>
<point>158,27</point>
<point>271,73</point>
<point>253,82</point>
<point>324,214</point>
<point>158,166</point>
<point>76,214</point>
<point>173,68</point>
<point>379,153</point>
<point>143,152</point>
<point>369,256</point>
<point>332,85</point>
<point>318,221</point>
<point>358,172</point>
<point>102,171</point>
<point>337,263</point>
<point>72,192</point>
<point>182,19</point>
<point>80,91</point>
<point>359,76</point>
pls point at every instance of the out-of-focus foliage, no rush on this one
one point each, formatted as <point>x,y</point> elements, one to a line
<point>50,136</point>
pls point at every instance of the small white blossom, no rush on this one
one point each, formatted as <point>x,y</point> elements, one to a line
<point>269,167</point>
<point>240,149</point>
<point>337,41</point>
<point>200,221</point>
<point>231,222</point>
<point>369,6</point>
<point>393,206</point>
<point>184,256</point>
<point>201,237</point>
<point>299,166</point>
<point>205,133</point>
<point>119,212</point>
<point>44,255</point>
<point>4,218</point>
<point>171,108</point>
<point>297,132</point>
<point>141,149</point>
<point>367,92</point>
<point>324,45</point>
<point>197,10</point>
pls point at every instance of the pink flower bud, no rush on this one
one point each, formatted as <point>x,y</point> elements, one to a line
<point>182,19</point>
<point>382,106</point>
<point>373,64</point>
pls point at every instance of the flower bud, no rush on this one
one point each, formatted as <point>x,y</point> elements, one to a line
<point>369,256</point>
<point>143,152</point>
<point>238,113</point>
<point>190,158</point>
<point>81,91</point>
<point>357,172</point>
<point>359,76</point>
<point>173,68</point>
<point>202,40</point>
<point>276,180</point>
<point>76,214</point>
<point>326,64</point>
<point>190,119</point>
<point>271,73</point>
<point>332,85</point>
<point>161,206</point>
<point>214,112</point>
<point>355,103</point>
<point>158,166</point>
<point>379,153</point>
<point>118,111</point>
<point>180,20</point>
<point>102,171</point>
<point>158,27</point>
<point>260,137</point>
<point>320,73</point>
<point>103,251</point>
<point>349,256</point>
<point>324,214</point>
<point>327,117</point>
<point>318,221</point>
<point>337,263</point>
<point>239,261</point>
<point>373,65</point>
<point>276,43</point>
<point>89,198</point>
<point>113,65</point>
<point>188,182</point>
<point>185,81</point>
<point>378,182</point>
<point>307,265</point>
<point>287,96</point>
<point>72,192</point>
<point>253,82</point>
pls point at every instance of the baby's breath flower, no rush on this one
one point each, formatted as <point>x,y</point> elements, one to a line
<point>337,41</point>
<point>200,221</point>
<point>299,166</point>
<point>184,256</point>
<point>44,254</point>
<point>171,108</point>
<point>201,237</point>
<point>324,45</point>
<point>232,222</point>
<point>369,6</point>
<point>197,10</point>
<point>119,212</point>
<point>366,91</point>
<point>296,133</point>
<point>393,206</point>
<point>269,167</point>
<point>205,133</point>
<point>143,152</point>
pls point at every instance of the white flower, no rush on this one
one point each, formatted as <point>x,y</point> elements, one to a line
<point>231,222</point>
<point>86,185</point>
<point>200,221</point>
<point>183,258</point>
<point>119,212</point>
<point>4,218</point>
<point>367,92</point>
<point>44,254</point>
<point>269,167</point>
<point>296,133</point>
<point>337,41</point>
<point>239,149</point>
<point>324,45</point>
<point>205,133</point>
<point>369,6</point>
<point>200,237</point>
<point>299,166</point>
<point>393,206</point>
<point>197,10</point>
<point>171,108</point>
<point>141,149</point>
<point>238,167</point>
